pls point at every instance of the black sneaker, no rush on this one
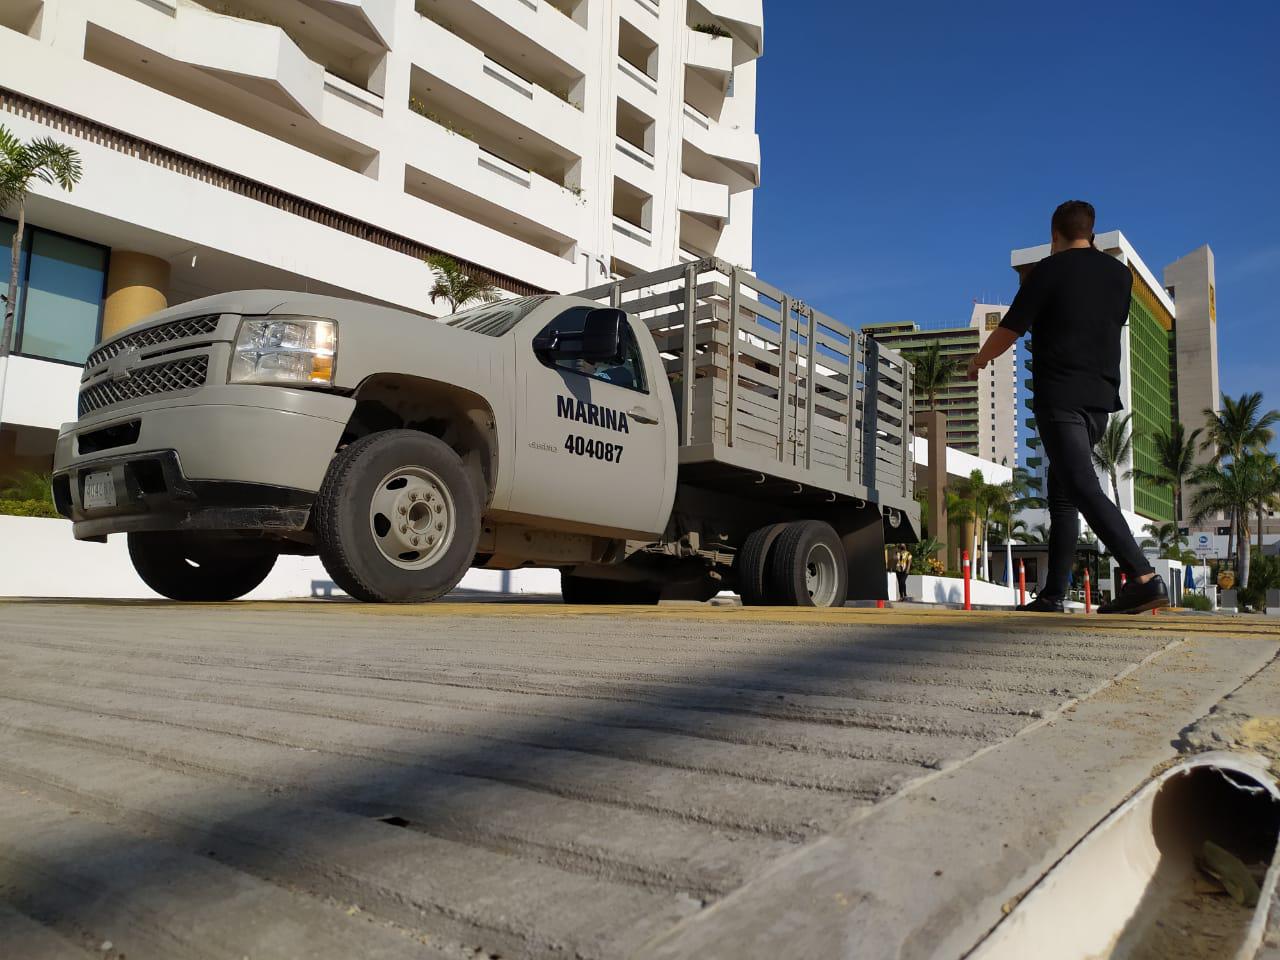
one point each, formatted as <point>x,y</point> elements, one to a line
<point>1139,597</point>
<point>1043,605</point>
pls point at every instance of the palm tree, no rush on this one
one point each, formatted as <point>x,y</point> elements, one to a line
<point>1268,490</point>
<point>456,285</point>
<point>933,371</point>
<point>961,512</point>
<point>1037,534</point>
<point>1240,426</point>
<point>1166,539</point>
<point>1175,462</point>
<point>21,164</point>
<point>1114,450</point>
<point>1232,488</point>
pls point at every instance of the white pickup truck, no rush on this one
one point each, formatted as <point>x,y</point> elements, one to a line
<point>668,436</point>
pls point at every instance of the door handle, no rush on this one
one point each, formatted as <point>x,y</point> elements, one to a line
<point>641,415</point>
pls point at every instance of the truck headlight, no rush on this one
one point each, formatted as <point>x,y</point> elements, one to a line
<point>285,350</point>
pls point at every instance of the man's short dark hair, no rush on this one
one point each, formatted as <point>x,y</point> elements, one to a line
<point>1074,220</point>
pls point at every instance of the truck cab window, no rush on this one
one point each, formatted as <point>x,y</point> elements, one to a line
<point>624,370</point>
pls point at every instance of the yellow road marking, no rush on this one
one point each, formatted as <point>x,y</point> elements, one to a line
<point>1165,623</point>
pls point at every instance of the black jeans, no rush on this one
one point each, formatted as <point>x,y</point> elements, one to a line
<point>1069,437</point>
<point>902,583</point>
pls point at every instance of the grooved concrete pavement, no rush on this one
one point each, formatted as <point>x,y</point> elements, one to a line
<point>480,781</point>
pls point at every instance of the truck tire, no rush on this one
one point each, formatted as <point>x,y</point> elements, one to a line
<point>185,568</point>
<point>593,592</point>
<point>807,567</point>
<point>751,566</point>
<point>397,518</point>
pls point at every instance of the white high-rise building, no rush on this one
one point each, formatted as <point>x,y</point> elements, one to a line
<point>330,145</point>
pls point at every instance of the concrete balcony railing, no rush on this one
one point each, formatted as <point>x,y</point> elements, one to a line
<point>704,198</point>
<point>635,166</point>
<point>744,19</point>
<point>373,19</point>
<point>463,167</point>
<point>535,21</point>
<point>637,87</point>
<point>258,56</point>
<point>712,57</point>
<point>740,148</point>
<point>633,244</point>
<point>504,98</point>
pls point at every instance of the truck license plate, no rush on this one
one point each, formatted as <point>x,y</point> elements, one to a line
<point>99,491</point>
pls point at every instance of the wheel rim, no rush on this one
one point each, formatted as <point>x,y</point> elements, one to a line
<point>412,517</point>
<point>821,575</point>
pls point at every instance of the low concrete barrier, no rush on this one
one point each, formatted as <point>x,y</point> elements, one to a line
<point>40,558</point>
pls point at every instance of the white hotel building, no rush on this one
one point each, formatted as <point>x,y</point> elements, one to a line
<point>330,145</point>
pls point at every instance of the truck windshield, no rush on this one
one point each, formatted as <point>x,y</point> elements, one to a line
<point>495,319</point>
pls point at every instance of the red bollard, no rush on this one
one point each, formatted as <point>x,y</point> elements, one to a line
<point>1022,582</point>
<point>879,604</point>
<point>964,565</point>
<point>1088,593</point>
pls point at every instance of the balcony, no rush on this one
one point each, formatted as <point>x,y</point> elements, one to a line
<point>373,20</point>
<point>451,171</point>
<point>721,153</point>
<point>258,56</point>
<point>633,244</point>
<point>21,15</point>
<point>743,19</point>
<point>711,57</point>
<point>635,166</point>
<point>536,39</point>
<point>253,73</point>
<point>637,88</point>
<point>496,103</point>
<point>704,199</point>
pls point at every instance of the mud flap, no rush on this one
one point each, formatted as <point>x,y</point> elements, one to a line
<point>862,533</point>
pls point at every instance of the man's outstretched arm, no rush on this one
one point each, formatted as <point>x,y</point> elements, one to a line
<point>1001,339</point>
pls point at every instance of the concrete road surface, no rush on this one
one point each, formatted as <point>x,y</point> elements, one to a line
<point>331,780</point>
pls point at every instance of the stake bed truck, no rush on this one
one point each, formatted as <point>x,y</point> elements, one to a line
<point>662,437</point>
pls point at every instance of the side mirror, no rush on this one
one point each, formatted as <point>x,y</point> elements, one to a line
<point>602,334</point>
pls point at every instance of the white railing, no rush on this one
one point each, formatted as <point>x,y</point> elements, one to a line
<point>642,78</point>
<point>628,149</point>
<point>632,231</point>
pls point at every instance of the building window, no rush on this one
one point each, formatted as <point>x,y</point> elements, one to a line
<point>62,286</point>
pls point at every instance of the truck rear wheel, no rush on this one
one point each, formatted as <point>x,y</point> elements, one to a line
<point>807,566</point>
<point>397,518</point>
<point>594,592</point>
<point>196,569</point>
<point>751,566</point>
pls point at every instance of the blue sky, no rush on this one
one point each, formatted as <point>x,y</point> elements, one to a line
<point>908,147</point>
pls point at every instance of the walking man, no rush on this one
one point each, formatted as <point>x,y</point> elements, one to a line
<point>1075,303</point>
<point>902,568</point>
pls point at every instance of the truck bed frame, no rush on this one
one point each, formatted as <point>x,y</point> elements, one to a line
<point>775,399</point>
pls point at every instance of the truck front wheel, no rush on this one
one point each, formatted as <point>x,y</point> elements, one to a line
<point>397,518</point>
<point>197,569</point>
<point>807,566</point>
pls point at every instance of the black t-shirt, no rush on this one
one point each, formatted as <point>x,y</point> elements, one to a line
<point>1075,304</point>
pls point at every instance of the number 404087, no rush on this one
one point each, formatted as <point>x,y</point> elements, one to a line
<point>595,449</point>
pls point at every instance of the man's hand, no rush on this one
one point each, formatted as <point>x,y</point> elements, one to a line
<point>974,368</point>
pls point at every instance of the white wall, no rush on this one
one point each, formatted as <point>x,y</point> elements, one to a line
<point>961,464</point>
<point>40,558</point>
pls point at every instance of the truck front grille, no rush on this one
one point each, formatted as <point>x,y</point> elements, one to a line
<point>185,374</point>
<point>154,336</point>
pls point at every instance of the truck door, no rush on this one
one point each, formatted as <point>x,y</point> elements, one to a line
<point>592,442</point>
